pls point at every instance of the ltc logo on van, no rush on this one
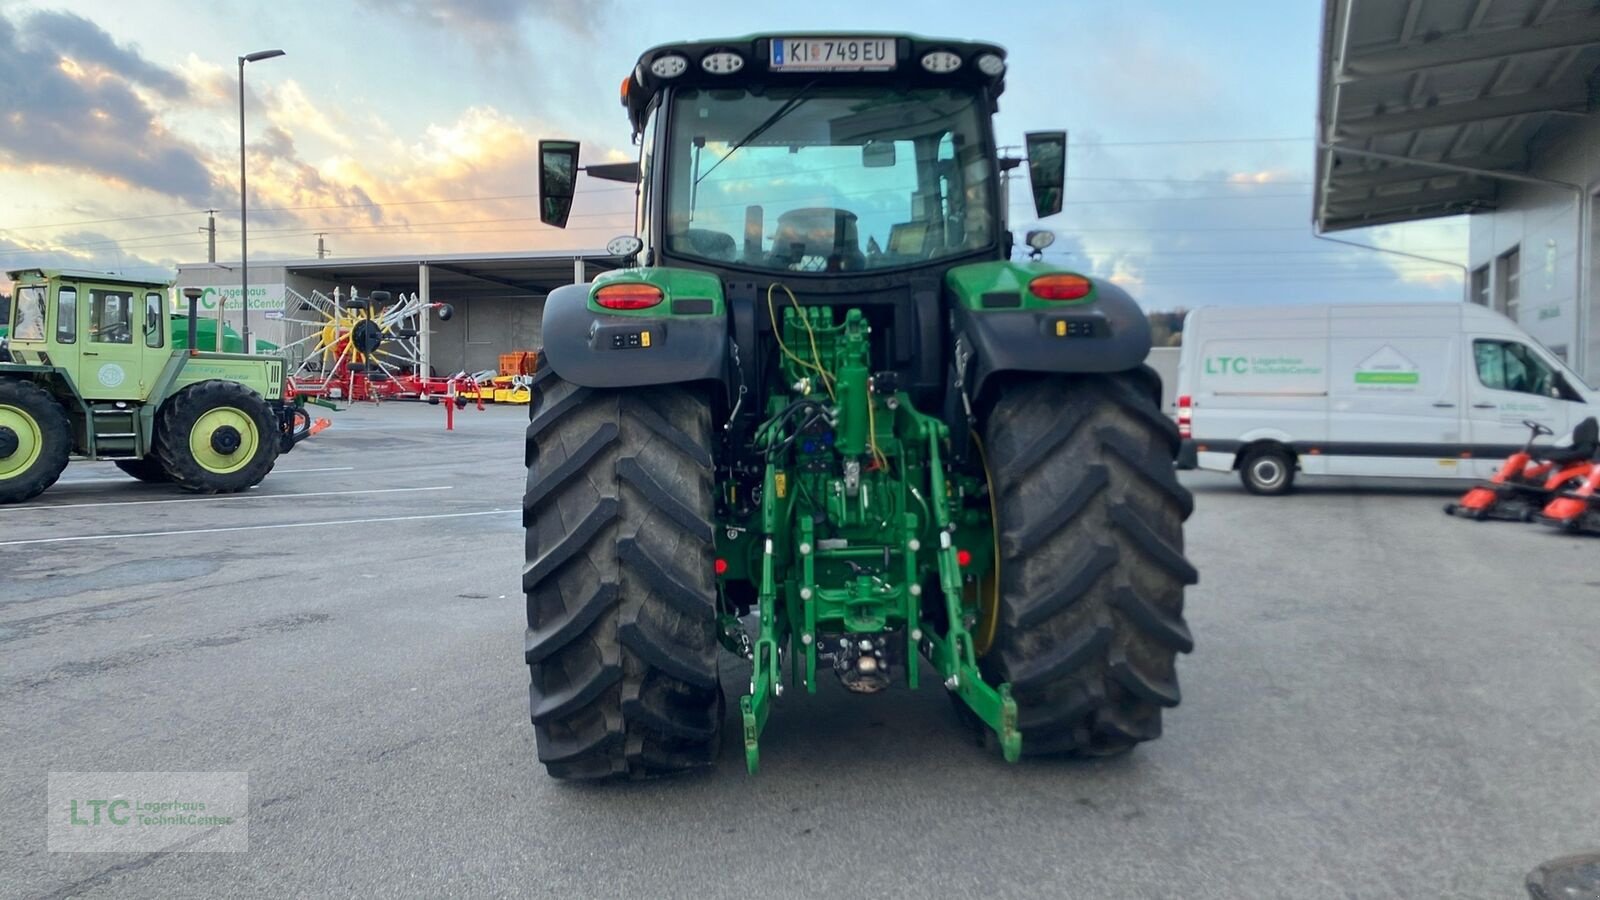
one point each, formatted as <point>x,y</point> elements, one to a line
<point>1223,365</point>
<point>1388,368</point>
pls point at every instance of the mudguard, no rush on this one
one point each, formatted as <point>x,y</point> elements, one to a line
<point>1107,333</point>
<point>595,349</point>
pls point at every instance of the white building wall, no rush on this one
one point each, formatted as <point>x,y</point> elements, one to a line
<point>1542,224</point>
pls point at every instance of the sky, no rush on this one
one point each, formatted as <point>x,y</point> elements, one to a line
<point>409,126</point>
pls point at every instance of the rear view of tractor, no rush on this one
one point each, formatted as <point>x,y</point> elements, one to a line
<point>822,421</point>
<point>96,372</point>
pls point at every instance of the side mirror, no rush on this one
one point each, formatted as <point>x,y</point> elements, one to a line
<point>558,173</point>
<point>877,155</point>
<point>1047,169</point>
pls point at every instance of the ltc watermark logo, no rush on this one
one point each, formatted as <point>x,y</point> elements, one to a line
<point>176,812</point>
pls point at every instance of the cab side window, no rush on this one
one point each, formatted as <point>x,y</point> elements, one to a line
<point>1511,366</point>
<point>110,317</point>
<point>67,316</point>
<point>155,330</point>
<point>29,325</point>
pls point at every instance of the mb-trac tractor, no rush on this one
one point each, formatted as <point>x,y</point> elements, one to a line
<point>97,372</point>
<point>820,398</point>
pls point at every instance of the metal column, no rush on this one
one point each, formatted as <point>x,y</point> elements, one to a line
<point>425,323</point>
<point>578,275</point>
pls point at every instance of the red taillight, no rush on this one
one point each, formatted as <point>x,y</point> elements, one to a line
<point>628,296</point>
<point>964,558</point>
<point>1185,417</point>
<point>721,566</point>
<point>1060,287</point>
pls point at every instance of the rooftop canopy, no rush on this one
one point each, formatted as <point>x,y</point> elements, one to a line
<point>1466,85</point>
<point>462,276</point>
<point>81,275</point>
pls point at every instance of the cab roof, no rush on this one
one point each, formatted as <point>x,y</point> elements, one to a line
<point>755,54</point>
<point>81,275</point>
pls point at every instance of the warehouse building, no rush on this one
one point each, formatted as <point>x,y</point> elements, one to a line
<point>1485,107</point>
<point>498,298</point>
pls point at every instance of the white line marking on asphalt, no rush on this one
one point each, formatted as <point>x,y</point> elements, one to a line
<point>140,534</point>
<point>46,506</point>
<point>304,471</point>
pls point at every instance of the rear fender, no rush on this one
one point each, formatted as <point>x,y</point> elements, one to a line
<point>592,347</point>
<point>1001,327</point>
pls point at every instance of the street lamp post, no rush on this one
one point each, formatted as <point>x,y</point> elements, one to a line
<point>244,244</point>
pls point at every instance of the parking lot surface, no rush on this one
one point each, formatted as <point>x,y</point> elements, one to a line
<point>1383,703</point>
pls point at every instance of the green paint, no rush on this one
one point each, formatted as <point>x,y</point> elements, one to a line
<point>846,558</point>
<point>30,441</point>
<point>970,282</point>
<point>675,284</point>
<point>207,426</point>
<point>1388,378</point>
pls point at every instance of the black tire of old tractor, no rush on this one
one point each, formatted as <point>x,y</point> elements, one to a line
<point>177,419</point>
<point>149,469</point>
<point>1092,567</point>
<point>621,641</point>
<point>55,439</point>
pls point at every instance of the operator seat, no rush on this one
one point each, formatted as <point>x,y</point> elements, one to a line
<point>1585,444</point>
<point>818,239</point>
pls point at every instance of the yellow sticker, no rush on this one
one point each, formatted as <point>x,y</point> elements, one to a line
<point>644,339</point>
<point>1061,328</point>
<point>780,483</point>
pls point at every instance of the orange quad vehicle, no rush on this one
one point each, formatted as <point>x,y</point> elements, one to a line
<point>1530,477</point>
<point>1577,508</point>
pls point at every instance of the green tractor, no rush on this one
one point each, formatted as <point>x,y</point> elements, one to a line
<point>97,371</point>
<point>822,400</point>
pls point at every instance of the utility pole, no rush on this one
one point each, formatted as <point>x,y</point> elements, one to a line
<point>322,250</point>
<point>211,235</point>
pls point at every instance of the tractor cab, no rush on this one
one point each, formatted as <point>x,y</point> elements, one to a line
<point>102,330</point>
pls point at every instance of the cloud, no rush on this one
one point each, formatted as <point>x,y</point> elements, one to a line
<point>497,24</point>
<point>67,101</point>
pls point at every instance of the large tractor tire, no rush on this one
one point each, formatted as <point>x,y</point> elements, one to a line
<point>147,469</point>
<point>35,440</point>
<point>1092,570</point>
<point>217,437</point>
<point>621,641</point>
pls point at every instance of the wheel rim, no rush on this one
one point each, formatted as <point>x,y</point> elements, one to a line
<point>229,422</point>
<point>1268,473</point>
<point>30,441</point>
<point>988,588</point>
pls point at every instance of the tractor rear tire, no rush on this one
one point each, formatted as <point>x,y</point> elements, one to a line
<point>148,469</point>
<point>1092,569</point>
<point>217,437</point>
<point>35,440</point>
<point>622,606</point>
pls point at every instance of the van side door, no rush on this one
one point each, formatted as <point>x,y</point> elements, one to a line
<point>1394,401</point>
<point>1508,383</point>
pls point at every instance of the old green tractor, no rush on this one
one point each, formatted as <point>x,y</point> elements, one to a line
<point>97,371</point>
<point>822,420</point>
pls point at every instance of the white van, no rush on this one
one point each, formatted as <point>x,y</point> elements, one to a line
<point>1431,390</point>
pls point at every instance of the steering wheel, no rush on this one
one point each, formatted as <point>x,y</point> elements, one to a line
<point>116,333</point>
<point>1538,429</point>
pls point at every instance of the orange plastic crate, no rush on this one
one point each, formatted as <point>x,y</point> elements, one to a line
<point>518,362</point>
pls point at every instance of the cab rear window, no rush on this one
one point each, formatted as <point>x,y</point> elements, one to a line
<point>30,314</point>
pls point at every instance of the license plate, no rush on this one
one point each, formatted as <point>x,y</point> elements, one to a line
<point>832,54</point>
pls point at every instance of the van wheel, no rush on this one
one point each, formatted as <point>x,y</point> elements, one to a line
<point>1268,471</point>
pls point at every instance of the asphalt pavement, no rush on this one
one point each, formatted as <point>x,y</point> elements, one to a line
<point>1383,702</point>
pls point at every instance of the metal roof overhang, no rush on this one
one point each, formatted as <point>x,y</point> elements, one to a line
<point>1421,100</point>
<point>453,277</point>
